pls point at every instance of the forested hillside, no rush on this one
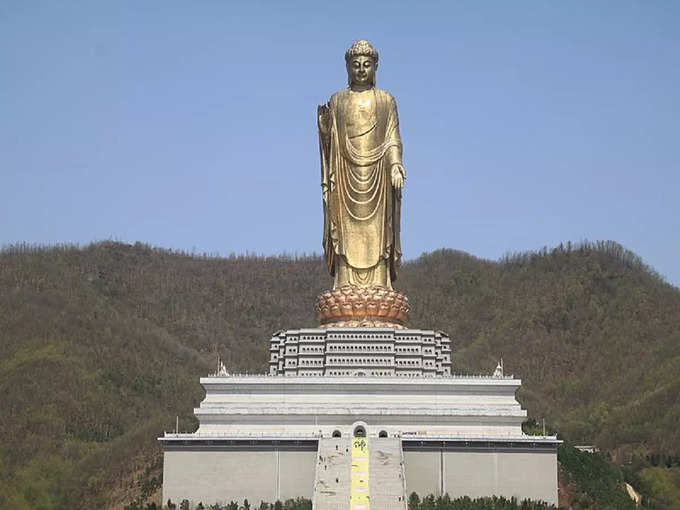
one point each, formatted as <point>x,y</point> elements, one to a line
<point>103,346</point>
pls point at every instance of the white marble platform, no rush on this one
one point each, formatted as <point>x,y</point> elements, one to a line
<point>299,406</point>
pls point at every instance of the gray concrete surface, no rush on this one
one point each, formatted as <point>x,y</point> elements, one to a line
<point>523,474</point>
<point>221,476</point>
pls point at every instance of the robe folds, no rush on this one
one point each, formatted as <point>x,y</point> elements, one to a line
<point>359,143</point>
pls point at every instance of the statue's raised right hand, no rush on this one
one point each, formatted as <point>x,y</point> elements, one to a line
<point>324,117</point>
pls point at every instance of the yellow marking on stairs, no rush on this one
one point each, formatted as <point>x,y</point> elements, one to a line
<point>359,495</point>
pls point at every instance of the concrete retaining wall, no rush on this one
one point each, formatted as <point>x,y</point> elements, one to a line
<point>214,476</point>
<point>220,475</point>
<point>523,474</point>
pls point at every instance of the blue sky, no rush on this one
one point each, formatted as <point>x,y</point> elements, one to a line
<point>191,125</point>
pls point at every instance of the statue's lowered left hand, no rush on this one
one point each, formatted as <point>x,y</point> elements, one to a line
<point>398,176</point>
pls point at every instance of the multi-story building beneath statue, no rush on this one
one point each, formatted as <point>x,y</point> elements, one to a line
<point>353,352</point>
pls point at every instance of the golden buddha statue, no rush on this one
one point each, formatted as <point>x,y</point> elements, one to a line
<point>362,176</point>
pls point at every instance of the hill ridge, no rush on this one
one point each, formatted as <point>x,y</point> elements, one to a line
<point>104,342</point>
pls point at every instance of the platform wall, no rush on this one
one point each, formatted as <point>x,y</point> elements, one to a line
<point>211,476</point>
<point>522,474</point>
<point>219,476</point>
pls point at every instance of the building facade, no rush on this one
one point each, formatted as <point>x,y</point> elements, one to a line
<point>376,352</point>
<point>290,433</point>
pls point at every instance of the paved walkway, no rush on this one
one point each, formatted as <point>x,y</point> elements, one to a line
<point>360,496</point>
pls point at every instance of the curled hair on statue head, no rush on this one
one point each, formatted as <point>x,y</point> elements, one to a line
<point>361,48</point>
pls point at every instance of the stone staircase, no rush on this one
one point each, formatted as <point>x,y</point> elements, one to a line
<point>332,480</point>
<point>332,483</point>
<point>386,479</point>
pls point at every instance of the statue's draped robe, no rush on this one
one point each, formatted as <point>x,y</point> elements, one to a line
<point>360,144</point>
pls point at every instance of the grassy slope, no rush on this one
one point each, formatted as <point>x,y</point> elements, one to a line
<point>102,347</point>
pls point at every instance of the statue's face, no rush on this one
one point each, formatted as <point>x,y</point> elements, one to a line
<point>361,70</point>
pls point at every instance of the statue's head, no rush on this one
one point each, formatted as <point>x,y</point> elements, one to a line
<point>362,61</point>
